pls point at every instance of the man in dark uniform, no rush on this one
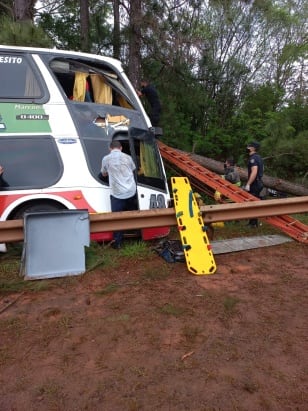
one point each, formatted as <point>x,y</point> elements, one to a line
<point>150,93</point>
<point>255,173</point>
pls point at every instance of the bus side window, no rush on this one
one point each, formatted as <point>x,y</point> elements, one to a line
<point>84,82</point>
<point>82,89</point>
<point>19,80</point>
<point>66,81</point>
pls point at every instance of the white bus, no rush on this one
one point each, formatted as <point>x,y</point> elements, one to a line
<point>59,110</point>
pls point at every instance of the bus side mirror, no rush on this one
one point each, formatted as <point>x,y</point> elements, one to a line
<point>157,131</point>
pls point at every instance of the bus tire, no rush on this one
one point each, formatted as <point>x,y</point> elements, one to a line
<point>34,207</point>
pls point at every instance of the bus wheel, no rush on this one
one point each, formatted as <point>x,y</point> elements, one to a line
<point>31,207</point>
<point>35,207</point>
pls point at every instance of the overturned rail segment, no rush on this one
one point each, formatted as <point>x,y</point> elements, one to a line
<point>208,182</point>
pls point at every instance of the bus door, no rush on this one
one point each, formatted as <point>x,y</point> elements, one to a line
<point>151,180</point>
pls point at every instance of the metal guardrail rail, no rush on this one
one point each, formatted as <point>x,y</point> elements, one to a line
<point>13,230</point>
<point>208,182</point>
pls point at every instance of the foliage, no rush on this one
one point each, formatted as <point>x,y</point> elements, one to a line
<point>227,72</point>
<point>6,8</point>
<point>57,17</point>
<point>289,158</point>
<point>22,34</point>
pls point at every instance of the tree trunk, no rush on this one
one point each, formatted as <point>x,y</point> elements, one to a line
<point>84,25</point>
<point>269,182</point>
<point>135,23</point>
<point>116,30</point>
<point>24,10</point>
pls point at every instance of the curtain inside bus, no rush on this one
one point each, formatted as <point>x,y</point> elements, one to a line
<point>31,86</point>
<point>80,86</point>
<point>101,91</point>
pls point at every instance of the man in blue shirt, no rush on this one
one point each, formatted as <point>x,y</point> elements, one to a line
<point>120,169</point>
<point>255,173</point>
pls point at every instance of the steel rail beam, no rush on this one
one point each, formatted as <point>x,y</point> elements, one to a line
<point>12,230</point>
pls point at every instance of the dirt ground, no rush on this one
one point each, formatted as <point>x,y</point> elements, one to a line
<point>144,334</point>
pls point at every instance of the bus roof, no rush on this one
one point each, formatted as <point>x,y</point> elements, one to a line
<point>110,60</point>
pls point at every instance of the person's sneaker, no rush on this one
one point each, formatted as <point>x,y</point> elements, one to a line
<point>253,225</point>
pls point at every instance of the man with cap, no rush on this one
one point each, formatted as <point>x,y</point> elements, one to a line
<point>254,183</point>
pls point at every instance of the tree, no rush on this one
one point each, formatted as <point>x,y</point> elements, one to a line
<point>226,71</point>
<point>22,34</point>
<point>24,10</point>
<point>84,25</point>
<point>116,30</point>
<point>17,27</point>
<point>6,9</point>
<point>89,28</point>
<point>270,182</point>
<point>134,41</point>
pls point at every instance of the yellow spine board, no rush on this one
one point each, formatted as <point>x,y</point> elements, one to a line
<point>197,249</point>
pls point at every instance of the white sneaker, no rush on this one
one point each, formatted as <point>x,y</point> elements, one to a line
<point>3,248</point>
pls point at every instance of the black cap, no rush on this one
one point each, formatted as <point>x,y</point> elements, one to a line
<point>254,144</point>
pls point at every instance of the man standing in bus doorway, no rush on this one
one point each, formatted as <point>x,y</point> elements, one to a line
<point>120,169</point>
<point>150,93</point>
<point>255,167</point>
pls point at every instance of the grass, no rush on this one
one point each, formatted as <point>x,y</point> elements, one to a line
<point>136,250</point>
<point>65,322</point>
<point>191,333</point>
<point>170,309</point>
<point>5,355</point>
<point>16,285</point>
<point>118,318</point>
<point>109,289</point>
<point>100,256</point>
<point>229,304</point>
<point>156,273</point>
<point>9,267</point>
<point>51,392</point>
<point>232,229</point>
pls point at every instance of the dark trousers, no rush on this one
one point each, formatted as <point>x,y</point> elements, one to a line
<point>122,204</point>
<point>154,117</point>
<point>255,189</point>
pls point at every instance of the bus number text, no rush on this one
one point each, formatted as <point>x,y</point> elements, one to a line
<point>157,201</point>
